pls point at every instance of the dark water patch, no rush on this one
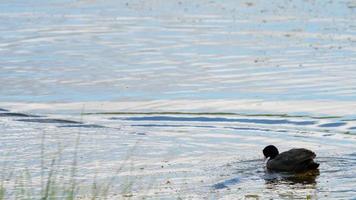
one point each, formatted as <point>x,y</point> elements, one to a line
<point>3,110</point>
<point>81,126</point>
<point>348,120</point>
<point>50,121</point>
<point>335,124</point>
<point>225,184</point>
<point>351,157</point>
<point>327,117</point>
<point>300,136</point>
<point>328,134</point>
<point>10,114</point>
<point>160,125</point>
<point>275,115</point>
<point>291,116</point>
<point>171,125</point>
<point>215,119</point>
<point>352,128</point>
<point>256,129</point>
<point>350,132</point>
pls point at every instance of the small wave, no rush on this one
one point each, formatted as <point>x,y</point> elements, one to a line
<point>81,126</point>
<point>215,119</point>
<point>282,115</point>
<point>50,121</point>
<point>335,124</point>
<point>257,129</point>
<point>171,125</point>
<point>11,114</point>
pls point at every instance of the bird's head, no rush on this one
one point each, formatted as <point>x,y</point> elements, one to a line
<point>270,151</point>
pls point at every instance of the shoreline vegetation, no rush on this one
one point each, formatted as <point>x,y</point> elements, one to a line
<point>57,182</point>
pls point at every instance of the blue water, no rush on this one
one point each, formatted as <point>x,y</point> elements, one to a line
<point>180,95</point>
<point>74,51</point>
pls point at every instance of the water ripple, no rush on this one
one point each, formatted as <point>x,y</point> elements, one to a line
<point>216,119</point>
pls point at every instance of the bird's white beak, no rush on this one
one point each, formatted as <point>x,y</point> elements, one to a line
<point>265,159</point>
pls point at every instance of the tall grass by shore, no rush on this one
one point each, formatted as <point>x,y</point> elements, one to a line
<point>55,182</point>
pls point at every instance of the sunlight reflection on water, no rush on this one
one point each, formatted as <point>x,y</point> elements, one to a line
<point>167,50</point>
<point>191,90</point>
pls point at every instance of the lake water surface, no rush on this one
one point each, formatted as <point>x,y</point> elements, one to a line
<point>176,99</point>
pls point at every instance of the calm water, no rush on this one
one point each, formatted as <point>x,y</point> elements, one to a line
<point>176,99</point>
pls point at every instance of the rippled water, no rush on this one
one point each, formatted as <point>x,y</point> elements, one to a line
<point>172,156</point>
<point>176,99</point>
<point>109,50</point>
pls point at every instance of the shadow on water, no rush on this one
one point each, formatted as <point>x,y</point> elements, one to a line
<point>216,119</point>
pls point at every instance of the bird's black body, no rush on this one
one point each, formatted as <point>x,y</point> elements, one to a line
<point>294,160</point>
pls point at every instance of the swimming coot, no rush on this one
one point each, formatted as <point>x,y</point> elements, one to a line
<point>294,160</point>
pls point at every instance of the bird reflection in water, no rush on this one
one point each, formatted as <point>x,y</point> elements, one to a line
<point>307,178</point>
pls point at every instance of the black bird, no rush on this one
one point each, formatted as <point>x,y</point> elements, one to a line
<point>294,160</point>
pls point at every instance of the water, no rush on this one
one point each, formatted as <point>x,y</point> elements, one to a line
<point>181,96</point>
